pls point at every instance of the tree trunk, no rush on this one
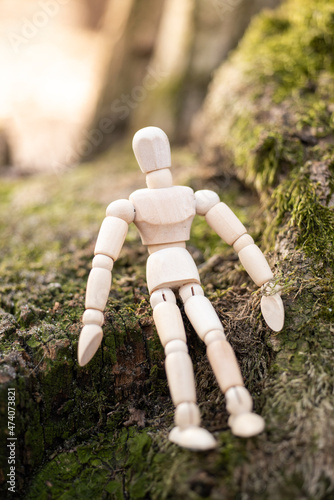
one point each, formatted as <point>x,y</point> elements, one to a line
<point>100,431</point>
<point>268,121</point>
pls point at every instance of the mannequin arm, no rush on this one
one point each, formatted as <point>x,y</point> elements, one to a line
<point>109,243</point>
<point>227,225</point>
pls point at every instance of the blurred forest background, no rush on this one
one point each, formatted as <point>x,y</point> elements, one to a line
<point>77,74</point>
<point>245,91</point>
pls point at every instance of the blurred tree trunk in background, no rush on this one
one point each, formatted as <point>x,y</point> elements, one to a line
<point>210,29</point>
<point>127,49</point>
<point>4,151</point>
<point>95,11</point>
<point>77,74</point>
<point>171,49</point>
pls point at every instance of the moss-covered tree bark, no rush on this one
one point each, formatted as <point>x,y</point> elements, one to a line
<point>100,431</point>
<point>268,120</point>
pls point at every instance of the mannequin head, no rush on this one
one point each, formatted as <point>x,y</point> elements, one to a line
<point>152,151</point>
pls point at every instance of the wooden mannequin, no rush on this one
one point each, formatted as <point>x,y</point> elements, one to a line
<point>163,214</point>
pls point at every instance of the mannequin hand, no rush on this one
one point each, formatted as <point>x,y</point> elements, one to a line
<point>272,307</point>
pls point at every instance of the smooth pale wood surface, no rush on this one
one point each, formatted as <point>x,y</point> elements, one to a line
<point>190,289</point>
<point>238,400</point>
<point>89,342</point>
<point>175,346</point>
<point>214,336</point>
<point>180,376</point>
<point>103,261</point>
<point>187,414</point>
<point>111,237</point>
<point>162,295</point>
<point>98,287</point>
<point>225,223</point>
<point>272,309</point>
<point>169,268</point>
<point>123,209</point>
<point>164,215</point>
<point>202,315</point>
<point>159,179</point>
<point>194,438</point>
<point>243,242</point>
<point>205,199</point>
<point>255,264</point>
<point>224,365</point>
<point>246,425</point>
<point>93,317</point>
<point>162,246</point>
<point>151,148</point>
<point>168,321</point>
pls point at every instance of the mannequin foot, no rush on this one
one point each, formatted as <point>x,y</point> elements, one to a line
<point>242,421</point>
<point>193,438</point>
<point>246,424</point>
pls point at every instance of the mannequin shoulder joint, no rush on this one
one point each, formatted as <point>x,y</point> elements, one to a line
<point>205,200</point>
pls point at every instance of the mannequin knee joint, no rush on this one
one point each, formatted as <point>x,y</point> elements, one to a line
<point>162,295</point>
<point>189,290</point>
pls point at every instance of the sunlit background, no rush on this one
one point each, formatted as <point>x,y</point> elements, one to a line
<point>76,74</point>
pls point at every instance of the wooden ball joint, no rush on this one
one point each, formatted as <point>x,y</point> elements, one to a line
<point>163,215</point>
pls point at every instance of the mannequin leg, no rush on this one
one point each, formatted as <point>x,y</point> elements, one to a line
<point>205,321</point>
<point>180,374</point>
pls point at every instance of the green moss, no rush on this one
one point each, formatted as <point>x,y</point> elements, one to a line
<point>297,204</point>
<point>284,116</point>
<point>135,464</point>
<point>269,116</point>
<point>292,46</point>
<point>48,227</point>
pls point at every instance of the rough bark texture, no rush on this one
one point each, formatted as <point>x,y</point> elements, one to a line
<point>100,431</point>
<point>268,120</point>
